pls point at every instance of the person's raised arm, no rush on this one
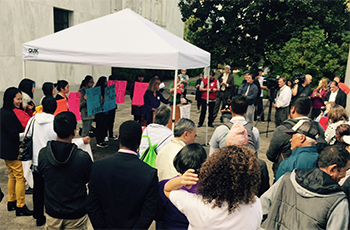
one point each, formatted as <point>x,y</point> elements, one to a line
<point>188,179</point>
<point>295,88</point>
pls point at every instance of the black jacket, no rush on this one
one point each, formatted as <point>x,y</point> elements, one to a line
<point>340,99</point>
<point>123,193</point>
<point>66,170</point>
<point>230,81</point>
<point>9,134</point>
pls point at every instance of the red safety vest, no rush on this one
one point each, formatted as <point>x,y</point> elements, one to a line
<point>212,85</point>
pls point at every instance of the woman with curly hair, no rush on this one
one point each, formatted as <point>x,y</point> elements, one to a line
<point>227,185</point>
<point>337,116</point>
<point>191,156</point>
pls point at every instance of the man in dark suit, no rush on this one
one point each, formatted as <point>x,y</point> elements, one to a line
<point>335,94</point>
<point>123,192</point>
<point>250,90</point>
<point>226,81</point>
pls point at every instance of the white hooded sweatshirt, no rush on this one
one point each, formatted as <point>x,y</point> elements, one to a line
<point>43,132</point>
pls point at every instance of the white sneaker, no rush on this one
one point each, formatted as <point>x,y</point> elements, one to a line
<point>106,139</point>
<point>114,138</point>
<point>102,145</point>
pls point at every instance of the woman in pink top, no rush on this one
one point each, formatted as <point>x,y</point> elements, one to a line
<point>317,97</point>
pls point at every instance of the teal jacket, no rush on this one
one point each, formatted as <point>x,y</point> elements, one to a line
<point>301,158</point>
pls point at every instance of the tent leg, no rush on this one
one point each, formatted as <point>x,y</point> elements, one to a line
<point>24,69</point>
<point>206,73</point>
<point>174,101</point>
<point>347,81</point>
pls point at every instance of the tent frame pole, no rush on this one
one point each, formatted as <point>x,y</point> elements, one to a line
<point>174,101</point>
<point>347,80</point>
<point>24,69</point>
<point>206,73</point>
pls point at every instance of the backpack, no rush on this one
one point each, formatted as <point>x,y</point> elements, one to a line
<point>320,142</point>
<point>149,156</point>
<point>249,127</point>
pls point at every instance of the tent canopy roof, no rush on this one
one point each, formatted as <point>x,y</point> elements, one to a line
<point>123,39</point>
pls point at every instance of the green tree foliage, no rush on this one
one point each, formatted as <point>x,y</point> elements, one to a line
<point>241,33</point>
<point>313,54</point>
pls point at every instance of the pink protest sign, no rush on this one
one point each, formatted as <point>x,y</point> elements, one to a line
<point>74,104</point>
<point>120,89</point>
<point>139,91</point>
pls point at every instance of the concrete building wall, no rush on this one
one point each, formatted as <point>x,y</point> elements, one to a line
<point>25,20</point>
<point>164,13</point>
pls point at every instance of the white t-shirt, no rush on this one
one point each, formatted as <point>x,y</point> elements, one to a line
<point>203,216</point>
<point>333,96</point>
<point>261,80</point>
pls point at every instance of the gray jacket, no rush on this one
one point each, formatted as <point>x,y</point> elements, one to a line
<point>306,199</point>
<point>252,93</point>
<point>83,106</point>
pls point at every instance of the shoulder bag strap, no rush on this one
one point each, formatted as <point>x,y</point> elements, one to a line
<point>228,124</point>
<point>31,122</point>
<point>164,140</point>
<point>144,154</point>
<point>33,126</point>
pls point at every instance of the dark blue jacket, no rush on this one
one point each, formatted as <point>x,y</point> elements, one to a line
<point>252,93</point>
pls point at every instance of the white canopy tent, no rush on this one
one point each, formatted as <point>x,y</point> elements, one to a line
<point>123,39</point>
<point>347,82</point>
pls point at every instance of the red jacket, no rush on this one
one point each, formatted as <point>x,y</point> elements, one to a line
<point>344,87</point>
<point>212,85</point>
<point>22,116</point>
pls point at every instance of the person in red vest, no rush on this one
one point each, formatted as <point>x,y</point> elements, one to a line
<point>341,85</point>
<point>213,88</point>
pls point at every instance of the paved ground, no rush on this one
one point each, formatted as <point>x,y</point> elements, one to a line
<point>8,220</point>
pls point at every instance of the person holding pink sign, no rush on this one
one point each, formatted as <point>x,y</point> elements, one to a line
<point>152,99</point>
<point>136,110</point>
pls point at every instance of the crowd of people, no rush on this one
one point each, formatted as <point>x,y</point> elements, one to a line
<point>187,188</point>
